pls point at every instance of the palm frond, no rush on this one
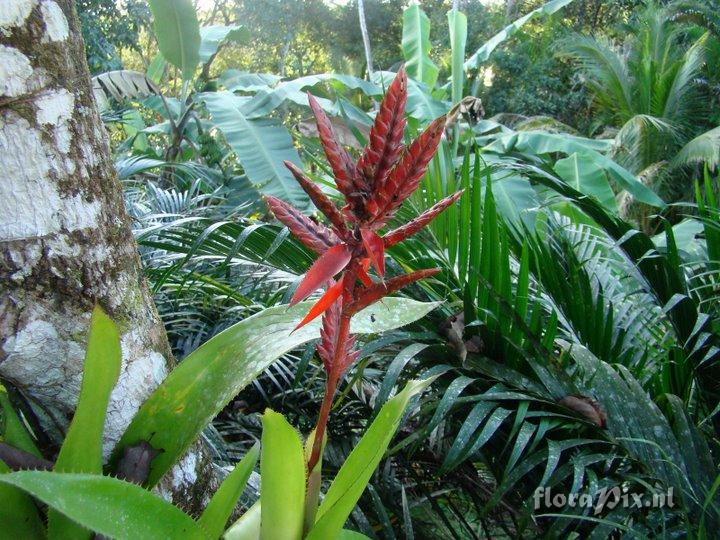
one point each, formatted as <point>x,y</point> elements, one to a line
<point>704,148</point>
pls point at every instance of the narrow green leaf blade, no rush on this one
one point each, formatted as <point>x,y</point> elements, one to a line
<point>81,451</point>
<point>221,505</point>
<point>484,52</point>
<point>347,534</point>
<point>282,480</point>
<point>13,431</point>
<point>457,22</point>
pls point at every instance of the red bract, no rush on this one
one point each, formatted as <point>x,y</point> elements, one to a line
<point>313,235</point>
<point>319,199</point>
<point>411,227</point>
<point>375,249</point>
<point>386,135</point>
<point>331,295</point>
<point>384,177</point>
<point>405,176</point>
<point>379,290</point>
<point>328,264</point>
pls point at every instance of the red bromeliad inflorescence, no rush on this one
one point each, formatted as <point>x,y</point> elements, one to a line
<point>385,175</point>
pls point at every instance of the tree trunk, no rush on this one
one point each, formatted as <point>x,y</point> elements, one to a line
<point>65,239</point>
<point>365,37</point>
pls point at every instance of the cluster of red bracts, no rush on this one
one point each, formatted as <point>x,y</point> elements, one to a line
<point>385,175</point>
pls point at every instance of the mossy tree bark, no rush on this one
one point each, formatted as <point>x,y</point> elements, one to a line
<point>65,239</point>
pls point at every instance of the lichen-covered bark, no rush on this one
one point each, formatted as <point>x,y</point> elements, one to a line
<point>65,240</point>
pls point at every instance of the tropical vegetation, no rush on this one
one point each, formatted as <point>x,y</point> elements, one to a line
<point>516,204</point>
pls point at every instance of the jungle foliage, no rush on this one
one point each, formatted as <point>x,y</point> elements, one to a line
<point>569,341</point>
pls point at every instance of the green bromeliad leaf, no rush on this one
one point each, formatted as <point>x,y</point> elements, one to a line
<point>282,480</point>
<point>108,506</point>
<point>175,414</point>
<point>18,515</point>
<point>82,450</point>
<point>223,502</point>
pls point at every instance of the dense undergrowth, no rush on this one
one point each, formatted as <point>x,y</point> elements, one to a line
<point>575,343</point>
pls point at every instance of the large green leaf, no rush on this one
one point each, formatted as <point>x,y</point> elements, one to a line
<point>214,36</point>
<point>586,176</point>
<point>197,389</point>
<point>264,102</point>
<point>107,505</point>
<point>420,104</point>
<point>457,23</point>
<point>416,46</point>
<point>243,81</point>
<point>484,52</point>
<point>282,480</point>
<point>541,142</point>
<point>222,504</point>
<point>353,476</point>
<point>261,147</point>
<point>81,451</point>
<point>516,199</point>
<point>178,33</point>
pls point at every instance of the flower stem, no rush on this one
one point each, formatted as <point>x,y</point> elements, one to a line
<point>333,377</point>
<point>330,386</point>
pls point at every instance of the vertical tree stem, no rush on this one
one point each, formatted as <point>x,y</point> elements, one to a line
<point>366,37</point>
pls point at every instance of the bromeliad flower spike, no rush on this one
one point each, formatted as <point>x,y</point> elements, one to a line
<point>374,188</point>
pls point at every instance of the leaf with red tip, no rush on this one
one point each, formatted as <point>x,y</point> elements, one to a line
<point>313,235</point>
<point>326,300</point>
<point>411,227</point>
<point>380,290</point>
<point>405,176</point>
<point>328,264</point>
<point>363,272</point>
<point>385,140</point>
<point>319,199</point>
<point>348,181</point>
<point>375,248</point>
